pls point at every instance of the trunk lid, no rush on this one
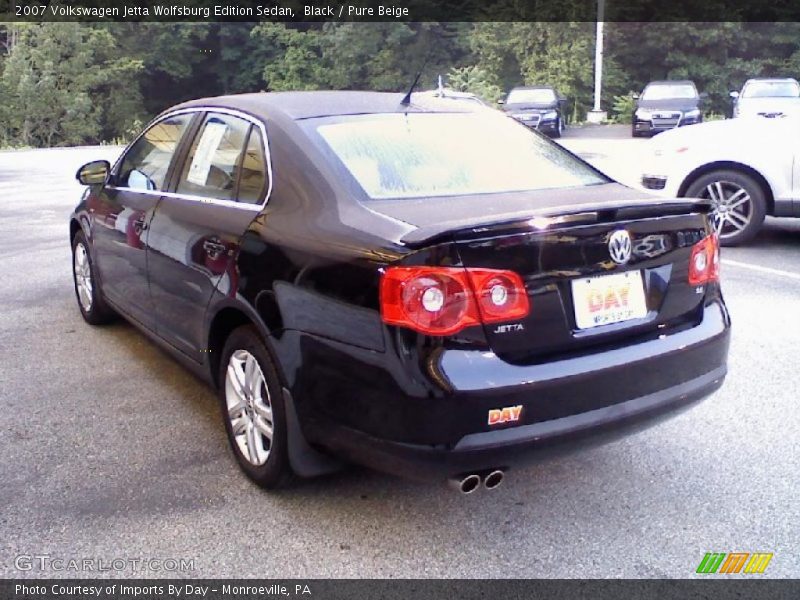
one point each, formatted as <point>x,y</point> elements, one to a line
<point>561,251</point>
<point>436,219</point>
<point>570,266</point>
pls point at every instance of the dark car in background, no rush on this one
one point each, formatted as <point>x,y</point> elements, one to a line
<point>664,105</point>
<point>422,287</point>
<point>538,107</point>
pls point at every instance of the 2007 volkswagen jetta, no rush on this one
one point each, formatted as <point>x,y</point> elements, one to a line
<point>422,287</point>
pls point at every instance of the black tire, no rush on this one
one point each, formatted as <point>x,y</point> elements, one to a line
<point>95,311</point>
<point>559,128</point>
<point>276,472</point>
<point>755,209</point>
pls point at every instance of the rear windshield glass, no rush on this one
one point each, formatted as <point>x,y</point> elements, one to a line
<point>448,154</point>
<point>771,89</point>
<point>539,96</point>
<point>668,91</point>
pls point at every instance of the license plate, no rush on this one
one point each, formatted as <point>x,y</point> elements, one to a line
<point>607,299</point>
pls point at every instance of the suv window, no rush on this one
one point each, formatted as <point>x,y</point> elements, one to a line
<point>214,162</point>
<point>146,163</point>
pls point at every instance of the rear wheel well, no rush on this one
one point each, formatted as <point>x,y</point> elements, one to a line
<point>731,166</point>
<point>225,321</point>
<point>74,227</point>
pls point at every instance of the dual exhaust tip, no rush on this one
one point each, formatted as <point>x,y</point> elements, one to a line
<point>470,483</point>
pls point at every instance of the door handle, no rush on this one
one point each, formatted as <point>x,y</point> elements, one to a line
<point>140,225</point>
<point>214,249</point>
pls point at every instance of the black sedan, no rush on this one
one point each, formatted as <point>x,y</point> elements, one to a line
<point>538,107</point>
<point>665,105</point>
<point>421,287</point>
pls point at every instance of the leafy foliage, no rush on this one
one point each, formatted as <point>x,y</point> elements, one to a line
<point>622,108</point>
<point>475,80</point>
<point>61,83</point>
<point>69,83</point>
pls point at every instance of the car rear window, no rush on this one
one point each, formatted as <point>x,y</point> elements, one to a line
<point>441,154</point>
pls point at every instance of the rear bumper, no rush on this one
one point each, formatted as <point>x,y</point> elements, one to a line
<point>567,404</point>
<point>528,443</point>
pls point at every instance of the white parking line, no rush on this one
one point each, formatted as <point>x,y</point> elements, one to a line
<point>760,269</point>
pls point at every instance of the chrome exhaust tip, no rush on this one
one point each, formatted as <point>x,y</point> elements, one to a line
<point>494,479</point>
<point>467,484</point>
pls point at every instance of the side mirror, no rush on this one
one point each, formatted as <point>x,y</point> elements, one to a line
<point>703,95</point>
<point>93,173</point>
<point>635,95</point>
<point>734,95</point>
<point>501,101</point>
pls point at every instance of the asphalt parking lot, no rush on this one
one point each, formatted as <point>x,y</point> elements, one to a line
<point>111,450</point>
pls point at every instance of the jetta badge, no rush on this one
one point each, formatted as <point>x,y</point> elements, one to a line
<point>620,246</point>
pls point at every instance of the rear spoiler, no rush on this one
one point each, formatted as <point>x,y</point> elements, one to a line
<point>553,217</point>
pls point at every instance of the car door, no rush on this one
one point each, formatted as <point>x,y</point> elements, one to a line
<point>122,211</point>
<point>194,234</point>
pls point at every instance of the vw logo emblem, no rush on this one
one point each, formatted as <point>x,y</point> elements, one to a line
<point>620,247</point>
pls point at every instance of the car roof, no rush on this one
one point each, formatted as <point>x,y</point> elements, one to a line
<point>672,82</point>
<point>775,79</point>
<point>533,87</point>
<point>311,104</point>
<point>445,93</point>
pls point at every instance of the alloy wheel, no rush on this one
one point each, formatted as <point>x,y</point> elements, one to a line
<point>249,407</point>
<point>732,207</point>
<point>83,277</point>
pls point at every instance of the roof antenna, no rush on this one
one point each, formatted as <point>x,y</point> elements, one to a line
<point>407,98</point>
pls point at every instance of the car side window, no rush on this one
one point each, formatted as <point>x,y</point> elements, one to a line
<point>146,163</point>
<point>254,170</point>
<point>212,167</point>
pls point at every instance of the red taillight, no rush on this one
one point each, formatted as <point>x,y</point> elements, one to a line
<point>445,300</point>
<point>501,294</point>
<point>704,261</point>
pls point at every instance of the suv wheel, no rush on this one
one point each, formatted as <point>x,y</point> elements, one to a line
<point>559,128</point>
<point>738,204</point>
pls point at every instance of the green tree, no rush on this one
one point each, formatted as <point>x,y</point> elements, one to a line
<point>557,54</point>
<point>475,80</point>
<point>180,61</point>
<point>241,58</point>
<point>294,57</point>
<point>371,56</point>
<point>718,57</point>
<point>374,56</point>
<point>59,80</point>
